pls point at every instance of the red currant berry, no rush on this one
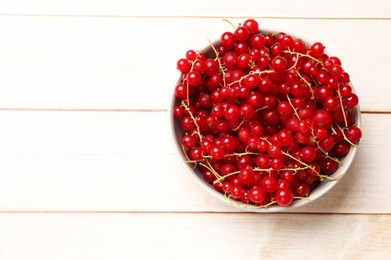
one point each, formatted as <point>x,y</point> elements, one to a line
<point>181,91</point>
<point>284,197</point>
<point>279,64</point>
<point>353,134</point>
<point>191,55</point>
<point>331,103</point>
<point>302,189</point>
<point>328,166</point>
<point>350,101</point>
<point>251,25</point>
<point>217,153</point>
<point>269,184</point>
<point>322,118</point>
<point>308,154</point>
<point>228,40</point>
<point>232,113</point>
<point>242,33</point>
<point>317,49</point>
<point>194,78</point>
<point>246,176</point>
<point>256,195</point>
<point>257,41</point>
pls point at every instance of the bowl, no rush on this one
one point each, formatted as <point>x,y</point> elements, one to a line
<point>326,185</point>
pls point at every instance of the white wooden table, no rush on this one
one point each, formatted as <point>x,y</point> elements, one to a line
<point>87,168</point>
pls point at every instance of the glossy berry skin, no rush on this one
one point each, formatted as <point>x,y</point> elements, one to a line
<point>279,64</point>
<point>194,78</point>
<point>353,134</point>
<point>242,33</point>
<point>264,118</point>
<point>256,195</point>
<point>284,197</point>
<point>228,40</point>
<point>317,49</point>
<point>251,25</point>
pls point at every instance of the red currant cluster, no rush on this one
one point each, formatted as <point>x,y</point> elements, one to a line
<point>265,118</point>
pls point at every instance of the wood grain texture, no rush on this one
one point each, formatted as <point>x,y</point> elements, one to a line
<point>200,8</point>
<point>110,63</point>
<point>87,168</point>
<point>194,236</point>
<point>97,161</point>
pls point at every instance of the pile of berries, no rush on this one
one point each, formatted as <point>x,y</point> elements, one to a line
<point>265,117</point>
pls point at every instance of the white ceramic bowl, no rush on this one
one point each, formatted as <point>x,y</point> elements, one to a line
<point>320,190</point>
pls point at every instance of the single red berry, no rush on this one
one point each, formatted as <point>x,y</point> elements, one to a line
<point>181,91</point>
<point>242,33</point>
<point>341,149</point>
<point>257,41</point>
<point>191,55</point>
<point>317,49</point>
<point>350,101</point>
<point>328,166</point>
<point>298,45</point>
<point>188,141</point>
<point>247,111</point>
<point>183,65</point>
<point>285,137</point>
<point>194,78</point>
<point>308,154</point>
<point>256,195</point>
<point>209,176</point>
<point>269,184</point>
<point>237,192</point>
<point>302,189</point>
<point>263,161</point>
<point>232,113</point>
<point>228,40</point>
<point>353,134</point>
<point>322,118</point>
<point>284,197</point>
<point>279,64</point>
<point>331,103</point>
<point>244,61</point>
<point>211,67</point>
<point>251,25</point>
<point>217,153</point>
<point>246,176</point>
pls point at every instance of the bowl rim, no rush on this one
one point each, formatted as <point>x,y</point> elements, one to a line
<point>324,187</point>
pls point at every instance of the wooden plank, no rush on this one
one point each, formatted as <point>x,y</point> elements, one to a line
<point>94,161</point>
<point>109,63</point>
<point>189,236</point>
<point>279,8</point>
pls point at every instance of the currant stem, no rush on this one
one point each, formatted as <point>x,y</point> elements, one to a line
<point>294,109</point>
<point>218,60</point>
<point>342,107</point>
<point>226,176</point>
<point>303,198</point>
<point>294,65</point>
<point>194,120</point>
<point>303,55</point>
<point>345,138</point>
<point>231,23</point>
<point>234,202</point>
<point>307,83</point>
<point>325,154</point>
<point>250,73</point>
<point>210,168</point>
<point>303,163</point>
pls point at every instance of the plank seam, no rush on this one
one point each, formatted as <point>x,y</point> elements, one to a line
<point>193,16</point>
<point>180,212</point>
<point>147,110</point>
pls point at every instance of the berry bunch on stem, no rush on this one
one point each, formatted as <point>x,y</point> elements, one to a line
<point>265,117</point>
